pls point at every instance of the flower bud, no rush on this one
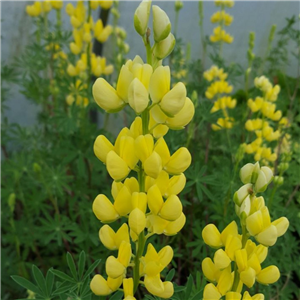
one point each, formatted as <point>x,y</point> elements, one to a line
<point>161,24</point>
<point>164,47</point>
<point>278,180</point>
<point>141,17</point>
<point>178,5</point>
<point>246,173</point>
<point>261,182</point>
<point>242,193</point>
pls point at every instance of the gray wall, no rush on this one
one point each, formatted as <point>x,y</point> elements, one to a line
<point>256,16</point>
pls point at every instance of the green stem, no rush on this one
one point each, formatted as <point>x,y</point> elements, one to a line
<point>140,245</point>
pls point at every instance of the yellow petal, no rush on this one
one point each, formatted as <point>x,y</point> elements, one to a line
<point>171,209</point>
<point>233,296</point>
<point>124,80</point>
<point>225,281</point>
<point>268,236</point>
<point>153,165</point>
<point>211,292</point>
<point>138,96</point>
<point>154,285</point>
<point>179,161</point>
<point>221,259</point>
<point>116,166</point>
<point>168,290</point>
<point>164,47</point>
<point>281,225</point>
<point>254,223</point>
<point>157,224</point>
<point>122,235</point>
<point>268,275</point>
<point>114,283</point>
<point>128,287</point>
<point>155,200</point>
<point>175,226</point>
<point>165,255</point>
<point>104,210</point>
<point>99,286</point>
<point>144,146</point>
<point>230,229</point>
<point>212,236</point>
<point>106,96</point>
<point>107,237</point>
<point>159,83</point>
<point>241,259</point>
<point>210,271</point>
<point>127,151</point>
<point>124,254</point>
<point>174,100</point>
<point>176,185</point>
<point>102,147</point>
<point>123,204</point>
<point>248,277</point>
<point>137,221</point>
<point>139,200</point>
<point>113,267</point>
<point>183,117</point>
<point>162,149</point>
<point>233,243</point>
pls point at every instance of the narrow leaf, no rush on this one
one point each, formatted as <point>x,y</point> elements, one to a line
<point>26,284</point>
<point>62,275</point>
<point>40,280</point>
<point>71,265</point>
<point>91,268</point>
<point>81,264</point>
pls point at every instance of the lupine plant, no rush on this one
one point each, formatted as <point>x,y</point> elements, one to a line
<point>147,178</point>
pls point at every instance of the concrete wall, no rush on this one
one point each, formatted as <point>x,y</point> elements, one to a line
<point>256,16</point>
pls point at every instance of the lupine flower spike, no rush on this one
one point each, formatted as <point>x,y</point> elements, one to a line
<point>147,177</point>
<point>239,257</point>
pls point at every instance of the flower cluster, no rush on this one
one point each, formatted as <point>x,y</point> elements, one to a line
<point>147,177</point>
<point>239,249</point>
<point>84,30</point>
<point>222,19</point>
<point>266,119</point>
<point>219,90</point>
<point>39,8</point>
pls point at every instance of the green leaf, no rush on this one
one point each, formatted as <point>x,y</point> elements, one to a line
<point>62,275</point>
<point>189,287</point>
<point>40,280</point>
<point>197,296</point>
<point>26,284</point>
<point>81,264</point>
<point>49,281</point>
<point>117,296</point>
<point>71,265</point>
<point>65,286</point>
<point>170,275</point>
<point>92,268</point>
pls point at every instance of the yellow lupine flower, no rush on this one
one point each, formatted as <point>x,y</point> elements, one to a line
<point>102,287</point>
<point>151,265</point>
<point>255,105</point>
<point>218,87</point>
<point>116,267</point>
<point>112,240</point>
<point>220,34</point>
<point>227,3</point>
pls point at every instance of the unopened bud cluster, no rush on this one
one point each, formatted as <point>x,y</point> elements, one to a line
<point>147,177</point>
<point>239,249</point>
